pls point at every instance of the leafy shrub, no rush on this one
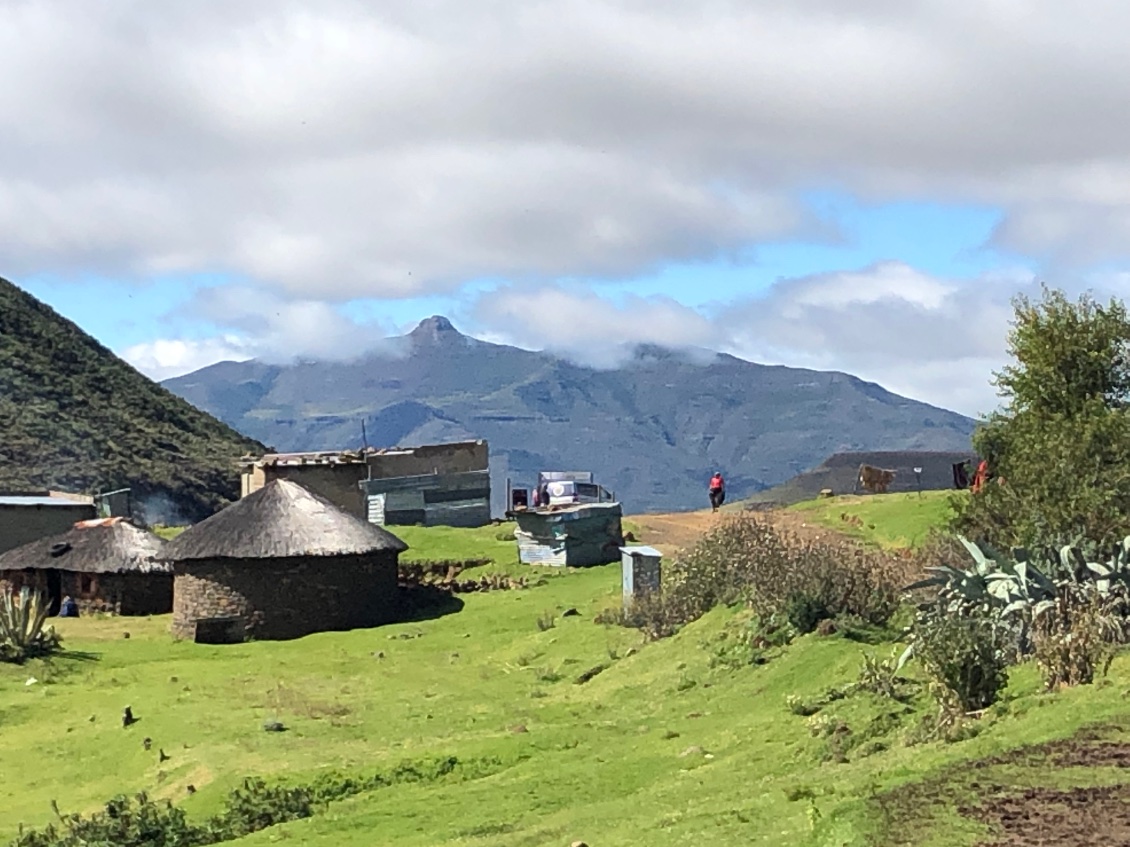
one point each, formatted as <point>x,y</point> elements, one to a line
<point>651,613</point>
<point>1076,636</point>
<point>880,677</point>
<point>805,612</point>
<point>124,822</point>
<point>805,708</point>
<point>964,658</point>
<point>23,630</point>
<point>252,807</point>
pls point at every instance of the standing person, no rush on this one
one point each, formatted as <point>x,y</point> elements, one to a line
<point>717,491</point>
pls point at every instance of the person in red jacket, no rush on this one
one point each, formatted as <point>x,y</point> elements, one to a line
<point>981,477</point>
<point>717,491</point>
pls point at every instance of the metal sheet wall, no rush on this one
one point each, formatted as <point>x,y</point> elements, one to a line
<point>458,499</point>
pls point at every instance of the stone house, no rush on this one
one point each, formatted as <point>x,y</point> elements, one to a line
<point>106,565</point>
<point>282,563</point>
<point>435,484</point>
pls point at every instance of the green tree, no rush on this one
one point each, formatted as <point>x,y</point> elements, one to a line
<point>1059,446</point>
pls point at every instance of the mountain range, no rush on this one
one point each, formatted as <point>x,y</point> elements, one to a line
<point>74,416</point>
<point>652,429</point>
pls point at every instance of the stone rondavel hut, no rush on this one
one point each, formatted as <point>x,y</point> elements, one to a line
<point>282,563</point>
<point>106,565</point>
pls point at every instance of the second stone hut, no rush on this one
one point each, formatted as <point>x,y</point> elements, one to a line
<point>281,563</point>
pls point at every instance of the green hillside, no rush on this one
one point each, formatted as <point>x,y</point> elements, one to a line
<point>888,520</point>
<point>560,728</point>
<point>74,416</point>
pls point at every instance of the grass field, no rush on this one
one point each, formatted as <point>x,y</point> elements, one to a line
<point>440,543</point>
<point>675,742</point>
<point>888,520</point>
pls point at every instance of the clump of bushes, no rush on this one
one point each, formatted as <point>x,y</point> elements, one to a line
<point>1067,609</point>
<point>24,633</point>
<point>255,805</point>
<point>782,578</point>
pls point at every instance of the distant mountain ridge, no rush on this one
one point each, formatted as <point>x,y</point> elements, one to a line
<point>74,416</point>
<point>652,430</point>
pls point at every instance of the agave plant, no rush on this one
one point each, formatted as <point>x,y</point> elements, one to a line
<point>994,582</point>
<point>23,630</point>
<point>1023,587</point>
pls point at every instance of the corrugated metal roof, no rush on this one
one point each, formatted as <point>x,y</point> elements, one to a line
<point>42,501</point>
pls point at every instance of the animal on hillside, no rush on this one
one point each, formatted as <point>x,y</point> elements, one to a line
<point>875,480</point>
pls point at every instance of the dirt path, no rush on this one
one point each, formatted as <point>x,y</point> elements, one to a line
<point>670,532</point>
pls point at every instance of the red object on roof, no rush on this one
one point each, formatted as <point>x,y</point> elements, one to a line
<point>97,522</point>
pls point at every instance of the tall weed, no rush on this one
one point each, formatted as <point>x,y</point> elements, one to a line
<point>747,560</point>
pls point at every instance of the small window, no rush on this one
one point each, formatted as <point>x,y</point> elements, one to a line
<point>86,583</point>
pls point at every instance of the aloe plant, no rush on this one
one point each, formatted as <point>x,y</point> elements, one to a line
<point>1020,588</point>
<point>23,629</point>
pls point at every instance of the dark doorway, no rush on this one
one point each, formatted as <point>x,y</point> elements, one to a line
<point>54,591</point>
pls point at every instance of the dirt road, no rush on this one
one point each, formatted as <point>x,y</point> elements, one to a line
<point>670,532</point>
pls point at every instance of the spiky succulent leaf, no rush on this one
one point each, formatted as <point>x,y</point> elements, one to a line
<point>906,656</point>
<point>1099,569</point>
<point>1015,608</point>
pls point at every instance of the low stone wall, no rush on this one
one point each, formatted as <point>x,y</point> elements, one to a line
<point>287,598</point>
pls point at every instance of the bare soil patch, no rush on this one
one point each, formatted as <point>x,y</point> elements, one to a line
<point>669,533</point>
<point>1006,795</point>
<point>1075,817</point>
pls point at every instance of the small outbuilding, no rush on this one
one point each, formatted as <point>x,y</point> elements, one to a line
<point>106,565</point>
<point>642,572</point>
<point>573,536</point>
<point>282,563</point>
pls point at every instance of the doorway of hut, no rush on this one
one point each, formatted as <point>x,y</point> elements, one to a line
<point>54,592</point>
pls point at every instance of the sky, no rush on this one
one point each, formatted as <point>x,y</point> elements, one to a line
<point>856,186</point>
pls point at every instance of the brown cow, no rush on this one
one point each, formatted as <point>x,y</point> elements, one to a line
<point>875,480</point>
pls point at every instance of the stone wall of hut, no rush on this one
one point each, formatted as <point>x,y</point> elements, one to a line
<point>114,593</point>
<point>286,598</point>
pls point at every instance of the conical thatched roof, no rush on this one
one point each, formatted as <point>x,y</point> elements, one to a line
<point>111,545</point>
<point>280,520</point>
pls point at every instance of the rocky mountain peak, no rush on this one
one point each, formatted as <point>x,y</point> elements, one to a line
<point>436,328</point>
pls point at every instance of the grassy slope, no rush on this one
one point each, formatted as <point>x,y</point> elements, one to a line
<point>75,416</point>
<point>441,543</point>
<point>888,520</point>
<point>603,763</point>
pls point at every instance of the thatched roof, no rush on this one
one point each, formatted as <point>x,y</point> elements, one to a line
<point>280,520</point>
<point>111,545</point>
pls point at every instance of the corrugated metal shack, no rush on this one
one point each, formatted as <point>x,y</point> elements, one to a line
<point>573,536</point>
<point>440,499</point>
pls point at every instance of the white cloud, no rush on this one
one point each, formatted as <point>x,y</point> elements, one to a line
<point>935,340</point>
<point>342,149</point>
<point>263,326</point>
<point>931,339</point>
<point>167,357</point>
<point>579,323</point>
